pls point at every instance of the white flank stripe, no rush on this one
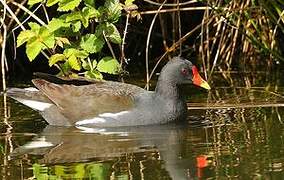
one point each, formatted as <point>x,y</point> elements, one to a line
<point>39,143</point>
<point>100,131</point>
<point>113,115</point>
<point>41,106</point>
<point>31,89</point>
<point>100,118</point>
<point>90,121</point>
<point>90,130</point>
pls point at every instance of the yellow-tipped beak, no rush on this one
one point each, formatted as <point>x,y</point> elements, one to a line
<point>198,81</point>
<point>205,85</point>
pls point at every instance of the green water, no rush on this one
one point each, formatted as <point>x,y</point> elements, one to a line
<point>232,133</point>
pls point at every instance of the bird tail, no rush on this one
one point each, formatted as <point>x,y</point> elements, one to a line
<point>30,97</point>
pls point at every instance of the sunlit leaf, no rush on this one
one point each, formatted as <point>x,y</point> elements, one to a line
<point>110,32</point>
<point>73,16</point>
<point>86,65</point>
<point>65,67</point>
<point>24,36</point>
<point>89,12</point>
<point>74,63</point>
<point>108,65</point>
<point>91,43</point>
<point>33,49</point>
<point>76,26</point>
<point>75,52</point>
<point>60,41</point>
<point>128,2</point>
<point>66,5</point>
<point>114,10</point>
<point>56,23</point>
<point>94,63</point>
<point>51,2</point>
<point>113,33</point>
<point>34,27</point>
<point>90,2</point>
<point>94,74</point>
<point>46,38</point>
<point>55,58</point>
<point>32,2</point>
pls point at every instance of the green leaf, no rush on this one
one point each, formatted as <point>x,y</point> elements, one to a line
<point>55,58</point>
<point>75,52</point>
<point>73,16</point>
<point>89,64</point>
<point>24,36</point>
<point>33,49</point>
<point>91,43</point>
<point>65,68</point>
<point>32,2</point>
<point>114,10</point>
<point>46,38</point>
<point>60,41</point>
<point>90,12</point>
<point>108,65</point>
<point>70,51</point>
<point>110,32</point>
<point>67,5</point>
<point>56,23</point>
<point>74,63</point>
<point>94,74</point>
<point>86,65</point>
<point>85,22</point>
<point>34,27</point>
<point>113,34</point>
<point>100,29</point>
<point>94,63</point>
<point>51,2</point>
<point>89,2</point>
<point>76,26</point>
<point>128,2</point>
<point>87,14</point>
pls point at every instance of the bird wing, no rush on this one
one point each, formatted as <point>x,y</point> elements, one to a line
<point>90,98</point>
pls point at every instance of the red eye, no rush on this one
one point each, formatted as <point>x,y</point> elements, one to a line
<point>184,72</point>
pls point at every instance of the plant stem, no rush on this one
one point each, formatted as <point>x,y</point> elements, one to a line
<point>3,55</point>
<point>147,45</point>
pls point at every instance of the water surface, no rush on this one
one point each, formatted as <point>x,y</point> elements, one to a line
<point>232,133</point>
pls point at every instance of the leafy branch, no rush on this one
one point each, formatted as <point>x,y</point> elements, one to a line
<point>66,38</point>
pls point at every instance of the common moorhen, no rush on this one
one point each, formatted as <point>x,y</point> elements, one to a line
<point>95,103</point>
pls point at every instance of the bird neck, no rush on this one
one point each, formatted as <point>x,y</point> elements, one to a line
<point>167,89</point>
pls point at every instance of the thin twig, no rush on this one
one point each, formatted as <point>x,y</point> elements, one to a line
<point>231,106</point>
<point>275,29</point>
<point>45,13</point>
<point>123,40</point>
<point>24,21</point>
<point>30,13</point>
<point>3,54</point>
<point>171,4</point>
<point>175,9</point>
<point>176,44</point>
<point>163,30</point>
<point>179,28</point>
<point>208,44</point>
<point>16,13</point>
<point>12,14</point>
<point>109,46</point>
<point>147,46</point>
